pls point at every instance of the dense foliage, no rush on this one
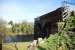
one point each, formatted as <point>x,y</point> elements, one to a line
<point>10,28</point>
<point>64,39</point>
<point>22,28</point>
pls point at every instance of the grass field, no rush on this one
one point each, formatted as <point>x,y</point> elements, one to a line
<point>19,45</point>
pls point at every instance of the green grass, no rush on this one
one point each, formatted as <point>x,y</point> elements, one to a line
<point>11,46</point>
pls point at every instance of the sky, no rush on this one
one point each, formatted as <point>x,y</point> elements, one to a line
<point>26,10</point>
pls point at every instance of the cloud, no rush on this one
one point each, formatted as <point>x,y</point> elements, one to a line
<point>18,10</point>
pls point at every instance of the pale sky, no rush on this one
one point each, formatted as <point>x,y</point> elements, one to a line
<point>20,10</point>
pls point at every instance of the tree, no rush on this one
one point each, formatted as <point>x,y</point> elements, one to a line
<point>11,22</point>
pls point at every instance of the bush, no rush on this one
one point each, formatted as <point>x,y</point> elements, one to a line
<point>63,40</point>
